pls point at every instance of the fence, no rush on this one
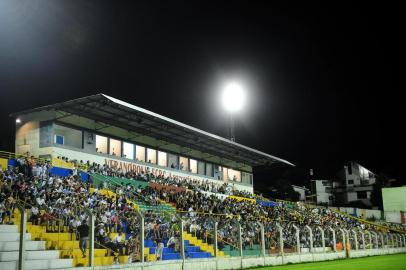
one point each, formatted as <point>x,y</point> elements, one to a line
<point>229,238</point>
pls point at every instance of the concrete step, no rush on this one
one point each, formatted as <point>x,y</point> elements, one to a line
<point>77,253</point>
<point>39,264</point>
<point>13,236</point>
<point>6,256</point>
<point>15,245</point>
<point>8,229</point>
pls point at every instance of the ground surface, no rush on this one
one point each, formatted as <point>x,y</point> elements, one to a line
<point>389,262</point>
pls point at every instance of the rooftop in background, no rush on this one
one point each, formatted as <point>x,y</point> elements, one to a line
<point>115,112</point>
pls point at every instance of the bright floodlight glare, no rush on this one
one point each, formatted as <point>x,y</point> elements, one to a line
<point>233,97</point>
<point>18,120</point>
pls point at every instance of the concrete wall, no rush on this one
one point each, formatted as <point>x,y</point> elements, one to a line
<point>27,137</point>
<point>394,217</point>
<point>248,262</point>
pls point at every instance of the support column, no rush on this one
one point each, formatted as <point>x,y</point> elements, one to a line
<point>404,240</point>
<point>280,238</point>
<point>322,238</point>
<point>23,224</point>
<point>376,239</point>
<point>363,240</point>
<point>310,236</point>
<point>91,236</point>
<point>142,238</point>
<point>182,242</point>
<point>297,233</point>
<point>240,240</point>
<point>392,240</point>
<point>262,240</point>
<point>354,233</point>
<point>382,240</point>
<point>344,239</point>
<point>215,240</point>
<point>334,238</point>
<point>347,240</point>
<point>370,239</point>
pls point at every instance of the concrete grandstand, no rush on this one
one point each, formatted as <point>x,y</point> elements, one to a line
<point>98,182</point>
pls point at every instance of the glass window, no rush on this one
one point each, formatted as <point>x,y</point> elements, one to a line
<point>183,164</point>
<point>244,178</point>
<point>59,139</point>
<point>151,156</point>
<point>225,174</point>
<point>218,172</point>
<point>234,175</point>
<point>200,167</point>
<point>115,147</point>
<point>128,150</point>
<point>162,159</point>
<point>209,169</point>
<point>101,144</point>
<point>173,161</point>
<point>140,153</point>
<point>193,166</point>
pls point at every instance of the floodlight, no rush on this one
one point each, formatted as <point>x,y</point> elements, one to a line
<point>233,97</point>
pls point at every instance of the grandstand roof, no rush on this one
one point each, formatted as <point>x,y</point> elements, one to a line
<point>115,112</point>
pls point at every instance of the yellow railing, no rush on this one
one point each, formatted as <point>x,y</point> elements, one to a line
<point>9,155</point>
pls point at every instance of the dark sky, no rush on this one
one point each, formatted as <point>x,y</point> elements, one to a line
<point>324,81</point>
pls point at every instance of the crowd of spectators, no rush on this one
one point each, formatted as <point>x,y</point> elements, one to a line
<point>57,201</point>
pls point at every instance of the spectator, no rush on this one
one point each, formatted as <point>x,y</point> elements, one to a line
<point>83,231</point>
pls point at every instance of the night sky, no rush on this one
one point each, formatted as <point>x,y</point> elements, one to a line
<point>324,81</point>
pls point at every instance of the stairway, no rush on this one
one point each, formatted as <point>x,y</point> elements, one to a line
<point>205,247</point>
<point>36,255</point>
<point>191,252</point>
<point>202,249</point>
<point>61,250</point>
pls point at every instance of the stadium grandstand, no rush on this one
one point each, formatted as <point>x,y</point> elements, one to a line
<point>98,182</point>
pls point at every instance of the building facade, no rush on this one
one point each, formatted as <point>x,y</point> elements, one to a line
<point>322,191</point>
<point>355,183</point>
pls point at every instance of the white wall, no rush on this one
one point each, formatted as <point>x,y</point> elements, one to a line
<point>249,262</point>
<point>392,217</point>
<point>301,191</point>
<point>27,137</point>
